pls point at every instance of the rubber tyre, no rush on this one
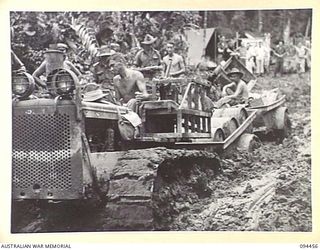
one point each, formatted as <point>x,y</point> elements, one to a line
<point>248,142</point>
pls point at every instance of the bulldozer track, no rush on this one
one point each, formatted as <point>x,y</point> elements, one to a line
<point>144,182</point>
<point>142,191</point>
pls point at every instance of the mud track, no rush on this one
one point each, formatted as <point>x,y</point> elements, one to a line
<point>268,189</point>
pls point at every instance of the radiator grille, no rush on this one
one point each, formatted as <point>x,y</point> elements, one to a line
<point>41,151</point>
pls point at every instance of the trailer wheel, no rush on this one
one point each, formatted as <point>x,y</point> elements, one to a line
<point>248,142</point>
<point>283,123</point>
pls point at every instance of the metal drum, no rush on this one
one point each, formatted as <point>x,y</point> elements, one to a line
<point>217,134</point>
<point>239,113</point>
<point>228,124</point>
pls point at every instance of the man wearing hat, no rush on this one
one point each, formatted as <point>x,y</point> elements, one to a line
<point>55,57</point>
<point>215,88</point>
<point>105,31</point>
<point>237,89</point>
<point>206,69</point>
<point>148,59</point>
<point>67,64</point>
<point>102,72</point>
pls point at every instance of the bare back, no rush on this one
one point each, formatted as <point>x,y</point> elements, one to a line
<point>242,90</point>
<point>126,87</point>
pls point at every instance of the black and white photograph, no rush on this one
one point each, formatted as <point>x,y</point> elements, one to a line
<point>162,120</point>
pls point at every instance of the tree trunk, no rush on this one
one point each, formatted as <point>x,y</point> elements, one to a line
<point>286,32</point>
<point>260,21</point>
<point>307,29</point>
<point>205,20</point>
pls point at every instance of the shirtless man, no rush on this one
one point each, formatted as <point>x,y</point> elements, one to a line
<point>236,91</point>
<point>174,64</point>
<point>237,88</point>
<point>129,85</point>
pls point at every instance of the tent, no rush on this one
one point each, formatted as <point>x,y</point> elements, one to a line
<point>201,42</point>
<point>204,42</point>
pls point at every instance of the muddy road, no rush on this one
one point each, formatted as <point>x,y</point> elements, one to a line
<point>268,189</point>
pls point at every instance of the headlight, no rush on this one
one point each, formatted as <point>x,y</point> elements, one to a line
<point>63,81</point>
<point>22,84</point>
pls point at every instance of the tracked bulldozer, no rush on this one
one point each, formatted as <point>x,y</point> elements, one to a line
<point>66,149</point>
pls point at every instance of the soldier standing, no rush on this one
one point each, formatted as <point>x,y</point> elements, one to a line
<point>148,60</point>
<point>55,58</point>
<point>279,52</point>
<point>174,64</point>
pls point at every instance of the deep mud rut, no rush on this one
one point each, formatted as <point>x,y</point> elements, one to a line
<point>268,189</point>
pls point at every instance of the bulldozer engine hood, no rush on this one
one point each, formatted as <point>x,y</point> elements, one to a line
<point>46,150</point>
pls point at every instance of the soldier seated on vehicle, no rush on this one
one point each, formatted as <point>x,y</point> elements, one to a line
<point>130,86</point>
<point>45,67</point>
<point>102,73</point>
<point>235,92</point>
<point>206,70</point>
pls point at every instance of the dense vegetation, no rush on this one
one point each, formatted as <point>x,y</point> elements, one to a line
<point>34,31</point>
